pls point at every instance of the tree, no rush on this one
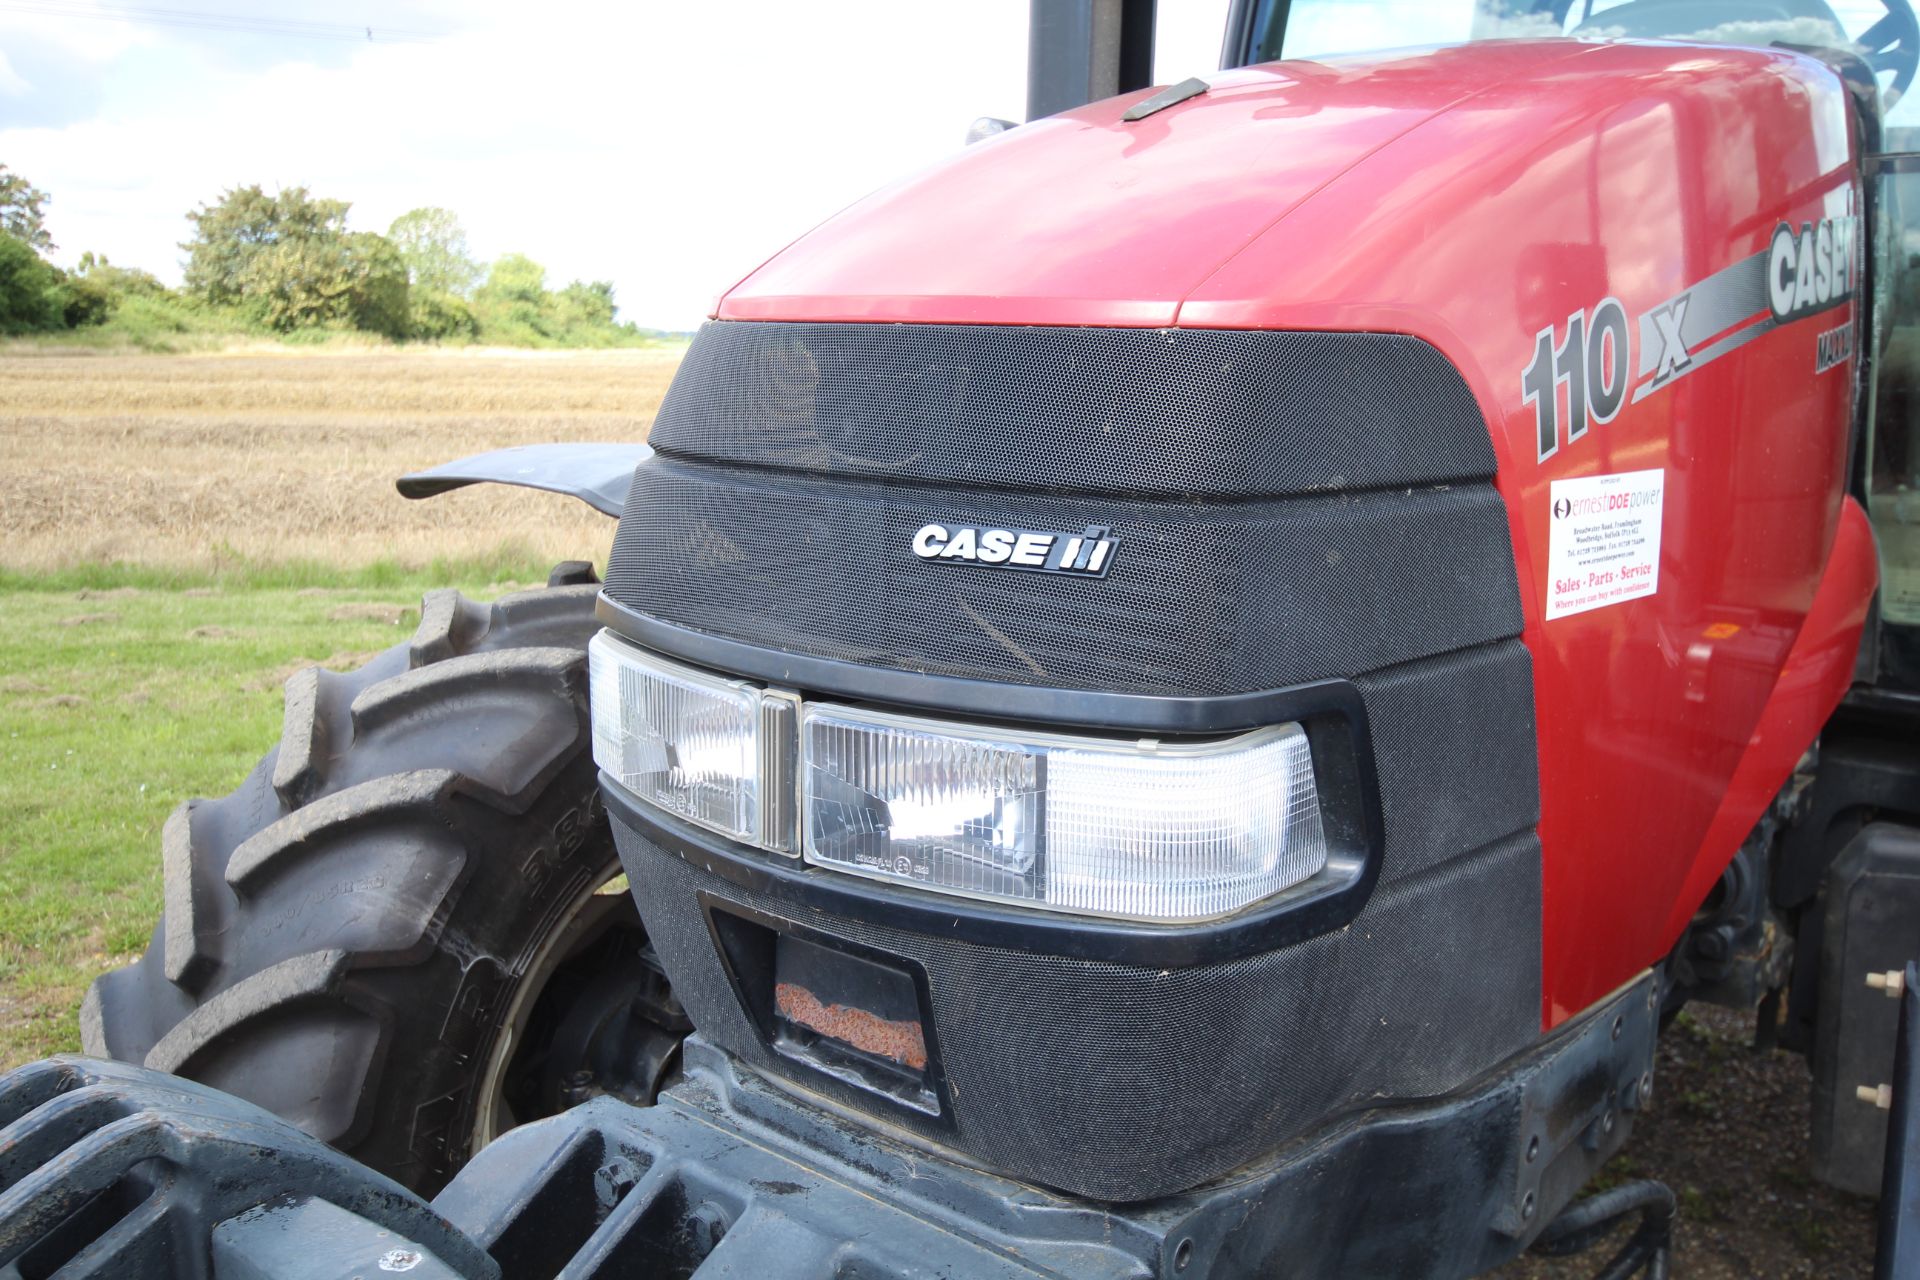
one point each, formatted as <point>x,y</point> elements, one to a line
<point>31,296</point>
<point>377,291</point>
<point>290,260</point>
<point>125,281</point>
<point>516,278</point>
<point>246,226</point>
<point>513,305</point>
<point>586,306</point>
<point>349,281</point>
<point>22,212</point>
<point>434,246</point>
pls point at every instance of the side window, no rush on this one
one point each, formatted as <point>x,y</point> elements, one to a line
<point>1893,442</point>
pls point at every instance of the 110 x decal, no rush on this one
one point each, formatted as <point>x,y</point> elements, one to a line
<point>1800,273</point>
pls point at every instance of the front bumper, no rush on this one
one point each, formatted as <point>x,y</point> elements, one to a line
<point>1447,1188</point>
<point>1123,1080</point>
<point>730,1175</point>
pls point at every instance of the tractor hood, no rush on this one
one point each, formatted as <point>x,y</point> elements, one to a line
<point>1086,218</point>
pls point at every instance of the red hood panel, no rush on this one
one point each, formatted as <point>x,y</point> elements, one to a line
<point>1086,219</point>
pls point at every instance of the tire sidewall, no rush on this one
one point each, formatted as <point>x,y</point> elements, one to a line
<point>444,1018</point>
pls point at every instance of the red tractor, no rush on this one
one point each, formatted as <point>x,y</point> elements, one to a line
<point>1179,695</point>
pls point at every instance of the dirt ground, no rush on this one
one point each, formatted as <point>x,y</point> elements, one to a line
<point>1728,1132</point>
<point>285,454</point>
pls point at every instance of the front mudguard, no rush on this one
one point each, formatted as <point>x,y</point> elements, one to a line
<point>597,474</point>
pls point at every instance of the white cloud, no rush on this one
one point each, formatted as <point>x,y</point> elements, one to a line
<point>12,83</point>
<point>80,33</point>
<point>669,148</point>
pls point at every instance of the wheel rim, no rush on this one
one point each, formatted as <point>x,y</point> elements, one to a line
<point>592,1015</point>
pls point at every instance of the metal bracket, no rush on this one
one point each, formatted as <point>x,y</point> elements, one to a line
<point>113,1170</point>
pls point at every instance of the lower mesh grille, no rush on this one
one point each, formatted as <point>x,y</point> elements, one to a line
<point>1125,1082</point>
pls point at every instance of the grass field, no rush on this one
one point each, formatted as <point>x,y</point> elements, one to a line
<point>178,534</point>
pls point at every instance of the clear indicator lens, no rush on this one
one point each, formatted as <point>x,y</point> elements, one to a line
<point>680,739</point>
<point>1140,830</point>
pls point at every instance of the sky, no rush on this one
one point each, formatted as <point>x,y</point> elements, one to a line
<point>667,147</point>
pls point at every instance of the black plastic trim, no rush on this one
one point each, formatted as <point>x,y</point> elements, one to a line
<point>1081,708</point>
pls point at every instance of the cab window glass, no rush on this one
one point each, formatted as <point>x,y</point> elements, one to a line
<point>1893,441</point>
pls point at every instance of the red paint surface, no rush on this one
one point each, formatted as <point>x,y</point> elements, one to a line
<point>1472,197</point>
<point>1085,219</point>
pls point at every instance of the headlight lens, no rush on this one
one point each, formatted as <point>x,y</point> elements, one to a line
<point>1140,830</point>
<point>681,739</point>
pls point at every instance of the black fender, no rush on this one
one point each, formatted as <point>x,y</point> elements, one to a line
<point>1897,1251</point>
<point>597,474</point>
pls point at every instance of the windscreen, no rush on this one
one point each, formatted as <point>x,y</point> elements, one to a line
<point>1321,28</point>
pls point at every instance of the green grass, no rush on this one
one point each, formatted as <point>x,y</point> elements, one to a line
<point>170,324</point>
<point>124,692</point>
<point>510,562</point>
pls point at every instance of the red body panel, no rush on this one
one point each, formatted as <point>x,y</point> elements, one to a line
<point>1818,670</point>
<point>1477,197</point>
<point>1084,219</point>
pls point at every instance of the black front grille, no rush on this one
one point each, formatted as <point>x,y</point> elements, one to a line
<point>796,461</point>
<point>1145,412</point>
<point>1201,598</point>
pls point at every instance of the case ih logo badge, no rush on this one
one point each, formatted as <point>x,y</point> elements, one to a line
<point>1084,555</point>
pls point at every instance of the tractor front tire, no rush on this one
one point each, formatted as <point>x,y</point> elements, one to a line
<point>346,937</point>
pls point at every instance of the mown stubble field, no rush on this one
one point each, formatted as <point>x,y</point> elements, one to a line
<point>179,534</point>
<point>202,461</point>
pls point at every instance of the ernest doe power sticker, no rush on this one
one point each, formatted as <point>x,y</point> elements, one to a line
<point>1603,542</point>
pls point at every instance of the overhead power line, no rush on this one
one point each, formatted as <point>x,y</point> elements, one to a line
<point>245,24</point>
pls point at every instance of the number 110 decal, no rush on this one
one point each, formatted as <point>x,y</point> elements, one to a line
<point>1592,361</point>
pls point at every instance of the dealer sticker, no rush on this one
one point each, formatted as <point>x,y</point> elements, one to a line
<point>1604,542</point>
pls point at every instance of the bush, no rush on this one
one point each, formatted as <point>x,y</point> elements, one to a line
<point>123,282</point>
<point>377,291</point>
<point>515,309</point>
<point>434,316</point>
<point>88,301</point>
<point>31,296</point>
<point>352,281</point>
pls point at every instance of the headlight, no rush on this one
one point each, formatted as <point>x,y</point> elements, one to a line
<point>1141,830</point>
<point>681,739</point>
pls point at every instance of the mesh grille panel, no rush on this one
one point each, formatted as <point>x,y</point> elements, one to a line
<point>1127,1083</point>
<point>1453,743</point>
<point>1200,599</point>
<point>1176,412</point>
